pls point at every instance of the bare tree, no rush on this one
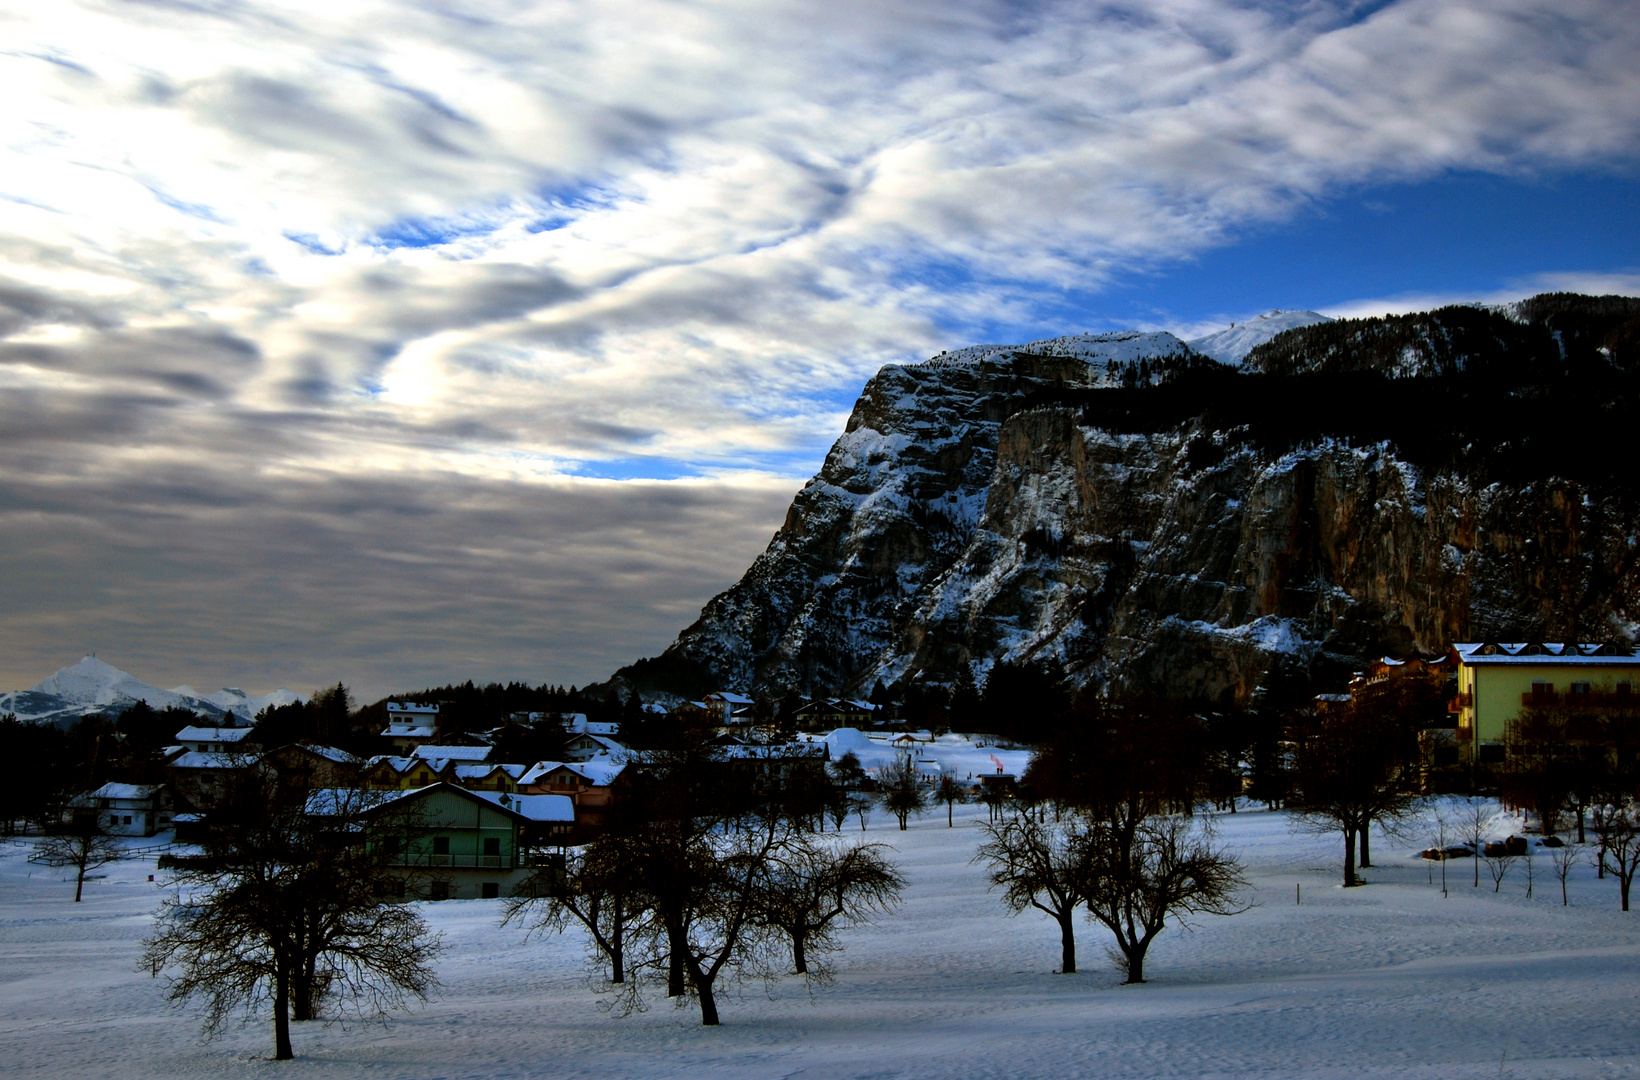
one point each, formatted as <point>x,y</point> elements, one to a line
<point>1619,827</point>
<point>861,803</point>
<point>950,792</point>
<point>1441,829</point>
<point>902,790</point>
<point>1042,864</point>
<point>287,905</point>
<point>1353,770</point>
<point>1499,860</point>
<point>595,888</point>
<point>1475,823</point>
<point>82,844</point>
<point>812,890</point>
<point>1166,868</point>
<point>1563,859</point>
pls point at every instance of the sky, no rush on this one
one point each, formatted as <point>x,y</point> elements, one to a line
<point>408,342</point>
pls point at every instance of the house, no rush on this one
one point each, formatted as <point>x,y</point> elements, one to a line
<point>1497,680</point>
<point>200,779</point>
<point>127,809</point>
<point>313,766</point>
<point>586,747</point>
<point>212,740</point>
<point>728,708</point>
<point>445,842</point>
<point>498,777</point>
<point>410,724</point>
<point>459,755</point>
<point>389,773</point>
<point>592,787</point>
<point>829,714</point>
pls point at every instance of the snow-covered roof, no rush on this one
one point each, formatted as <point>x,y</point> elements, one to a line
<point>193,733</point>
<point>113,790</point>
<point>1548,652</point>
<point>409,729</point>
<point>205,759</point>
<point>731,697</point>
<point>331,753</point>
<point>599,772</point>
<point>453,753</point>
<point>556,808</point>
<point>412,708</point>
<point>478,772</point>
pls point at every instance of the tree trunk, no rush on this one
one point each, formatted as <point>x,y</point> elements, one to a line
<point>79,884</point>
<point>1135,965</point>
<point>1366,846</point>
<point>1067,941</point>
<point>281,1015</point>
<point>708,1006</point>
<point>1623,881</point>
<point>948,808</point>
<point>301,992</point>
<point>1349,857</point>
<point>1580,838</point>
<point>800,962</point>
<point>902,822</point>
<point>677,945</point>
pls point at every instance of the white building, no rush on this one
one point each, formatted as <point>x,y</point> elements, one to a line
<point>128,809</point>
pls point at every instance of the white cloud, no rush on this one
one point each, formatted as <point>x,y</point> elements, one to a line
<point>375,240</point>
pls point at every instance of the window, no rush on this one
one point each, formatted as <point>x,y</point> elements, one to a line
<point>1580,688</point>
<point>439,890</point>
<point>1542,689</point>
<point>127,819</point>
<point>492,845</point>
<point>441,845</point>
<point>1624,689</point>
<point>490,890</point>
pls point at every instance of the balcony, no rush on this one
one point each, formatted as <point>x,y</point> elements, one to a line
<point>1542,698</point>
<point>1460,702</point>
<point>456,862</point>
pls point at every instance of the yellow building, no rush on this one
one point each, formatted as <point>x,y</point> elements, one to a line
<point>1496,681</point>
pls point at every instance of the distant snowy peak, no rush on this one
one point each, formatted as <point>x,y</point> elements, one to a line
<point>94,685</point>
<point>1231,346</point>
<point>1098,350</point>
<point>96,682</point>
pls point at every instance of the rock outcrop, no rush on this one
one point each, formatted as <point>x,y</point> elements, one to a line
<point>1126,512</point>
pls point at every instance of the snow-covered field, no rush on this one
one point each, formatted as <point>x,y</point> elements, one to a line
<point>1389,980</point>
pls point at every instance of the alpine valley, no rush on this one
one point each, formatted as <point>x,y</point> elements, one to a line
<point>1283,500</point>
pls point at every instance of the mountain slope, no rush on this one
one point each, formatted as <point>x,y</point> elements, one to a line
<point>1231,345</point>
<point>1154,519</point>
<point>95,686</point>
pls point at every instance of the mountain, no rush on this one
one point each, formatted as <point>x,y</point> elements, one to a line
<point>1231,346</point>
<point>1124,511</point>
<point>95,686</point>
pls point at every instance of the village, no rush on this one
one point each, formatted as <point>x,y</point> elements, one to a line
<point>488,820</point>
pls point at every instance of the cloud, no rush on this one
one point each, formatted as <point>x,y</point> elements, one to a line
<point>262,257</point>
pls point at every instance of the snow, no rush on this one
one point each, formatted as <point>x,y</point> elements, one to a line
<point>1389,980</point>
<point>94,685</point>
<point>961,755</point>
<point>1231,345</point>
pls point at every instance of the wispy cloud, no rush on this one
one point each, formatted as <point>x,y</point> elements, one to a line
<point>280,254</point>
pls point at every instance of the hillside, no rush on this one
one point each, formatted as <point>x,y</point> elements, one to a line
<point>1127,511</point>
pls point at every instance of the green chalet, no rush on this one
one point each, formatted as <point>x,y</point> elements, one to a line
<point>446,843</point>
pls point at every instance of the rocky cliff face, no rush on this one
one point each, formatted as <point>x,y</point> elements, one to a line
<point>1094,506</point>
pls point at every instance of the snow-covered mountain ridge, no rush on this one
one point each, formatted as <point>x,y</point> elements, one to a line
<point>1110,507</point>
<point>96,686</point>
<point>1231,345</point>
